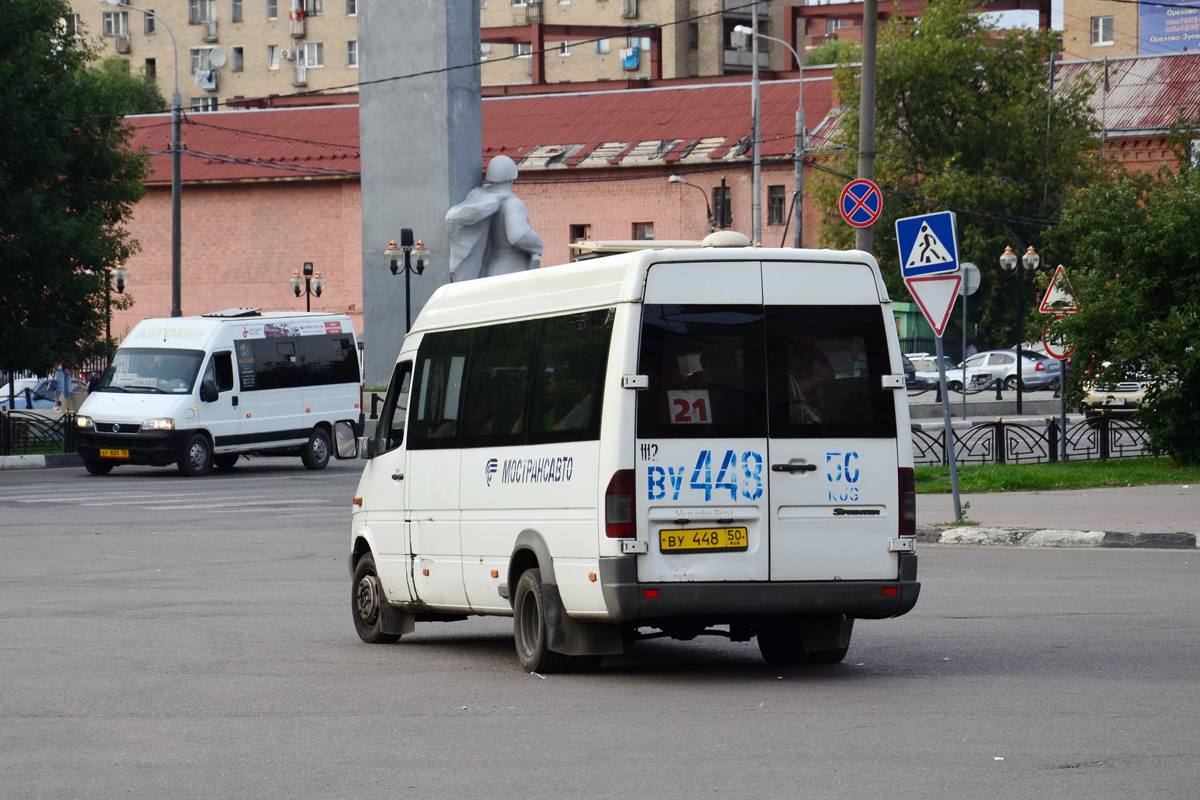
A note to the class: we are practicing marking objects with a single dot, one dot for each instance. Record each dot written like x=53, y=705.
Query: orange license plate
x=114, y=453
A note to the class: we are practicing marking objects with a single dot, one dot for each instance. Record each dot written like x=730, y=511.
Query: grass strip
x=1042, y=477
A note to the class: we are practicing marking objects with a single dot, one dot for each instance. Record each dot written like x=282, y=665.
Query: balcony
x=210, y=31
x=298, y=28
x=122, y=42
x=299, y=75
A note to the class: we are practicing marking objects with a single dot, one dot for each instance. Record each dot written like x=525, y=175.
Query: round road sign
x=861, y=203
x=1055, y=347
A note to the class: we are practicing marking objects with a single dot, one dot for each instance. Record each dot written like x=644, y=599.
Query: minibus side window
x=825, y=366
x=567, y=395
x=707, y=372
x=437, y=390
x=390, y=430
x=497, y=384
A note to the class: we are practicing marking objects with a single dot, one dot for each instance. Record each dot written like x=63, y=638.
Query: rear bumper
x=154, y=448
x=626, y=597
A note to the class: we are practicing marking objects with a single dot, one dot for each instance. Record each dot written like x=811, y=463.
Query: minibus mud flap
x=394, y=621
x=571, y=637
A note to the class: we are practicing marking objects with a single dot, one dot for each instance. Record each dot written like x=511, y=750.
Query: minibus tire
x=365, y=598
x=95, y=466
x=529, y=626
x=225, y=461
x=315, y=454
x=197, y=457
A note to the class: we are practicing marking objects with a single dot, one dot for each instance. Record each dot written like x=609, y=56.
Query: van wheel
x=315, y=454
x=780, y=644
x=197, y=456
x=529, y=626
x=225, y=461
x=366, y=594
x=96, y=466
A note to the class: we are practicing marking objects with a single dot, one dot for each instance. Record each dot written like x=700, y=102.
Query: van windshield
x=152, y=370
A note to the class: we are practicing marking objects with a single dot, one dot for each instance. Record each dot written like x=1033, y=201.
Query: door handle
x=793, y=468
x=397, y=476
x=235, y=401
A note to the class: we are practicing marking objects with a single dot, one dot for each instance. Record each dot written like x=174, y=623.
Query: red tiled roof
x=1144, y=92
x=254, y=145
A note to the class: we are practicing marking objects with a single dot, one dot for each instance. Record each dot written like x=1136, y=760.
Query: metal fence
x=26, y=432
x=1100, y=437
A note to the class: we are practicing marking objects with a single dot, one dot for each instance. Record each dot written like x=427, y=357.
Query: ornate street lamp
x=411, y=254
x=313, y=284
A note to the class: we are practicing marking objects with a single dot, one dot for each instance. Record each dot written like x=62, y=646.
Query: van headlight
x=161, y=424
x=83, y=422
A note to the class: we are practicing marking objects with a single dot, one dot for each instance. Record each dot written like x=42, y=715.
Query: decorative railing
x=1098, y=437
x=23, y=432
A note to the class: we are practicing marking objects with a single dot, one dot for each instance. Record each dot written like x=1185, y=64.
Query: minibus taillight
x=618, y=506
x=908, y=502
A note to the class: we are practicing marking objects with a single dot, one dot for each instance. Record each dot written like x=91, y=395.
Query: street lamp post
x=121, y=276
x=707, y=205
x=176, y=181
x=799, y=152
x=1011, y=264
x=313, y=284
x=392, y=254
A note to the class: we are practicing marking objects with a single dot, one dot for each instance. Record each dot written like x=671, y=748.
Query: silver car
x=1037, y=371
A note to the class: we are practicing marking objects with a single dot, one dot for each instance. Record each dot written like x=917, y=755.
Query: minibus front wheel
x=529, y=626
x=366, y=599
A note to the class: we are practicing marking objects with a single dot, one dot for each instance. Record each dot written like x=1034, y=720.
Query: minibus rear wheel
x=315, y=454
x=366, y=595
x=529, y=626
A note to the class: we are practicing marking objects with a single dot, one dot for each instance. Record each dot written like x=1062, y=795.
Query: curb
x=53, y=461
x=1049, y=537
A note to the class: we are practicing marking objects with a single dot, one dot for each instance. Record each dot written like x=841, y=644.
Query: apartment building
x=231, y=49
x=1095, y=29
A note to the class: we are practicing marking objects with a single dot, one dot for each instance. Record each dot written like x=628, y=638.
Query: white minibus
x=201, y=392
x=679, y=441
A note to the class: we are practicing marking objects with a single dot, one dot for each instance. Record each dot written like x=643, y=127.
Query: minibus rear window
x=825, y=368
x=707, y=371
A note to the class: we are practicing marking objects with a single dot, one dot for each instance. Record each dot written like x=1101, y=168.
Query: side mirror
x=343, y=435
x=208, y=392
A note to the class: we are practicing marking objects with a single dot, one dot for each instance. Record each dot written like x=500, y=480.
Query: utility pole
x=756, y=175
x=865, y=237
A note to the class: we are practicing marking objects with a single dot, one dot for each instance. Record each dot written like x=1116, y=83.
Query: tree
x=1135, y=256
x=133, y=94
x=962, y=126
x=833, y=51
x=69, y=181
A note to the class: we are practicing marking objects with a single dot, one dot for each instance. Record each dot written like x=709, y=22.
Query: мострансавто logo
x=556, y=469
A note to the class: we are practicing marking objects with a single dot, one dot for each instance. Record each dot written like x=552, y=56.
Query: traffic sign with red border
x=1056, y=348
x=935, y=295
x=861, y=203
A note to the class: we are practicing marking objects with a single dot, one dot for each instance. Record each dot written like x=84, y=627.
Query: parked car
x=926, y=367
x=984, y=369
x=1124, y=395
x=915, y=381
x=42, y=395
x=18, y=388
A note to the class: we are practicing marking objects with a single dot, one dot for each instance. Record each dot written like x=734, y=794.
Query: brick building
x=1097, y=29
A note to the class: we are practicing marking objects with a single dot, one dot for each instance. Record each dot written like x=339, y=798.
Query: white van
x=203, y=391
x=678, y=440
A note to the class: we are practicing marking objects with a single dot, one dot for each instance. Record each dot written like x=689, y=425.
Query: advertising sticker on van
x=841, y=469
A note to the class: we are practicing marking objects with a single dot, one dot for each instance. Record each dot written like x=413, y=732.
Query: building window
x=722, y=211
x=200, y=59
x=69, y=25
x=693, y=36
x=351, y=8
x=239, y=59
x=311, y=54
x=832, y=26
x=484, y=49
x=272, y=56
x=204, y=104
x=272, y=9
x=603, y=46
x=151, y=69
x=522, y=50
x=580, y=232
x=148, y=23
x=313, y=8
x=518, y=2
x=564, y=48
x=643, y=231
x=235, y=13
x=116, y=23
x=637, y=42
x=1102, y=30
x=776, y=204
x=352, y=54
x=201, y=11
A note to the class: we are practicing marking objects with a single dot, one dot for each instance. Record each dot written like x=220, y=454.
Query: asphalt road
x=165, y=637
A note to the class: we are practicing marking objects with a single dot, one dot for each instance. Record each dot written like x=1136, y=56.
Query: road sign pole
x=1062, y=397
x=951, y=458
x=964, y=356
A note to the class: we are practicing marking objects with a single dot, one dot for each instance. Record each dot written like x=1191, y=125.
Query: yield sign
x=1060, y=297
x=935, y=294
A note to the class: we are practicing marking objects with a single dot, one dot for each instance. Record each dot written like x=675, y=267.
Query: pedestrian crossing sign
x=928, y=244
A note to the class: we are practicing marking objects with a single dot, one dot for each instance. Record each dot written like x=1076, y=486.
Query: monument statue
x=489, y=231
